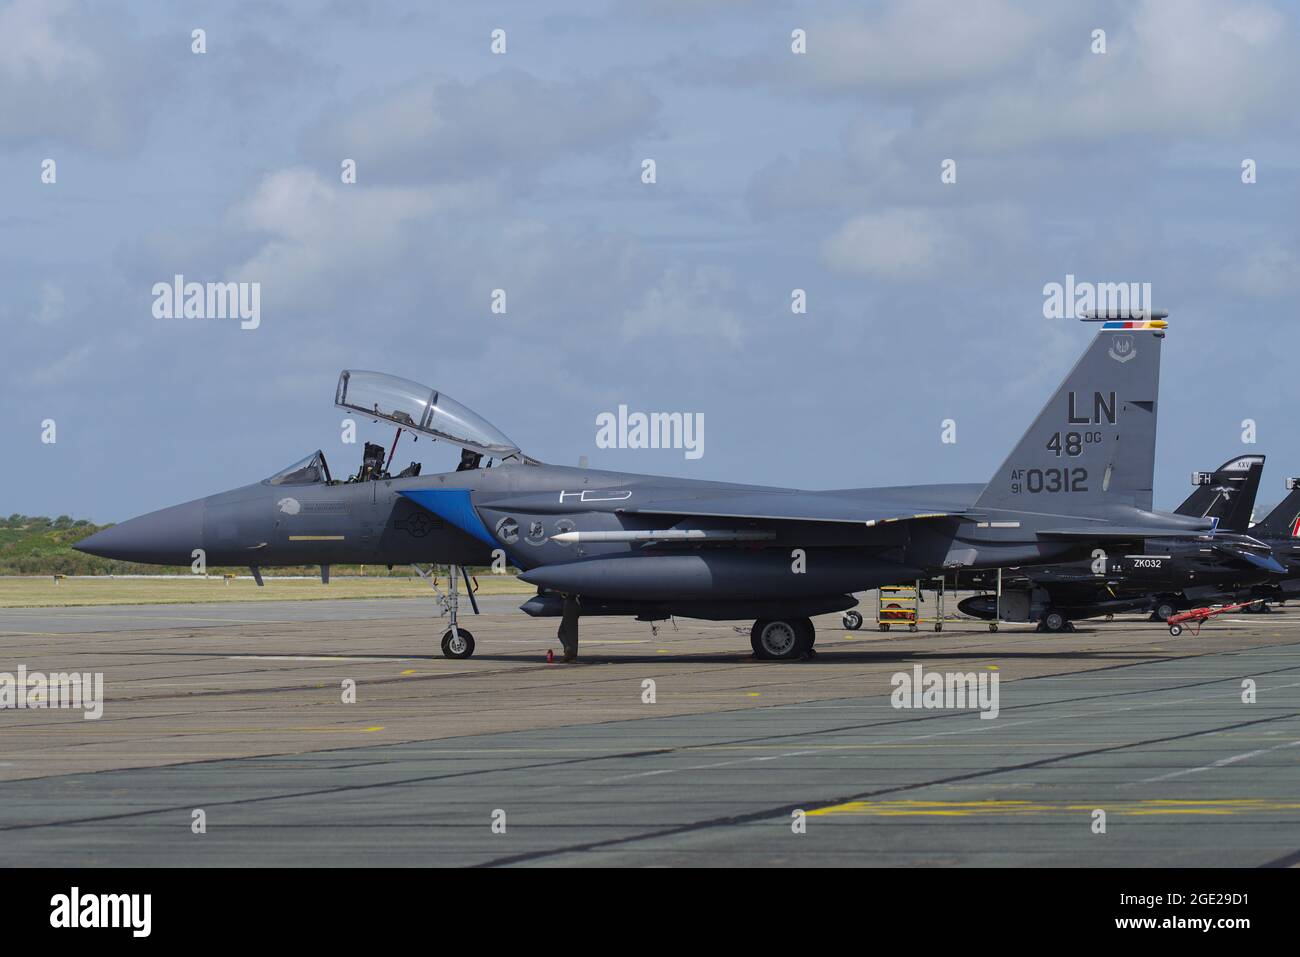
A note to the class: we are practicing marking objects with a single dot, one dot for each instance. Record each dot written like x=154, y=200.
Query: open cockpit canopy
x=420, y=409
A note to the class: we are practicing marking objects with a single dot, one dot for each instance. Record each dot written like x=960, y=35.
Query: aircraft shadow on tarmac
x=835, y=656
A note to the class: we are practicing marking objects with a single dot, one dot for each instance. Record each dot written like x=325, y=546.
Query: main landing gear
x=457, y=642
x=1055, y=621
x=783, y=639
x=1163, y=610
x=568, y=632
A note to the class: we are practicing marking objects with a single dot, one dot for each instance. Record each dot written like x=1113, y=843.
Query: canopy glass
x=420, y=409
x=306, y=471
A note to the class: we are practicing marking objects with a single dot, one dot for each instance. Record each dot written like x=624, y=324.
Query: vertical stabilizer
x=1094, y=443
x=1228, y=493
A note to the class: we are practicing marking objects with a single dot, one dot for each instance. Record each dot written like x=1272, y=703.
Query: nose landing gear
x=457, y=642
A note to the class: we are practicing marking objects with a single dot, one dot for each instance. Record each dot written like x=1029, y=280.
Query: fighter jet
x=1280, y=530
x=613, y=543
x=1165, y=575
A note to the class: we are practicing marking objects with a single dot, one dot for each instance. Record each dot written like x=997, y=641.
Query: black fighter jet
x=612, y=543
x=1280, y=530
x=1164, y=576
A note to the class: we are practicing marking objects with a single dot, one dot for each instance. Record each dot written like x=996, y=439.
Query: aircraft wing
x=850, y=507
x=792, y=507
x=1128, y=531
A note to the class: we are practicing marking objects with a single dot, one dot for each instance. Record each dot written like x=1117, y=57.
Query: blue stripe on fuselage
x=452, y=505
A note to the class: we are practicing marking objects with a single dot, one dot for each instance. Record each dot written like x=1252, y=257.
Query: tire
x=1053, y=621
x=1163, y=610
x=458, y=645
x=780, y=639
x=993, y=626
x=809, y=632
x=852, y=620
x=1175, y=630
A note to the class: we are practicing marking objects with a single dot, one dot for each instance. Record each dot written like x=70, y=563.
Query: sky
x=522, y=169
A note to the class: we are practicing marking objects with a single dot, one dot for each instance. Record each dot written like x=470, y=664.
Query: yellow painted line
x=409, y=671
x=316, y=538
x=1224, y=807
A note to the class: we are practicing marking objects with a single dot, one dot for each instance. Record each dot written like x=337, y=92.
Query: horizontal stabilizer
x=1259, y=556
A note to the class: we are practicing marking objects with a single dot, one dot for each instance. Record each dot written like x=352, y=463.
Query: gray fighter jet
x=610, y=543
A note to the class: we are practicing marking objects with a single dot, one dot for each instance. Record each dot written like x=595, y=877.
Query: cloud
x=892, y=244
x=50, y=304
x=73, y=75
x=440, y=128
x=317, y=234
x=917, y=45
x=1188, y=70
x=64, y=369
x=697, y=303
x=1270, y=271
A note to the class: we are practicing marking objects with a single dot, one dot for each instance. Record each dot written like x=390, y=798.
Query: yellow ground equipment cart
x=899, y=605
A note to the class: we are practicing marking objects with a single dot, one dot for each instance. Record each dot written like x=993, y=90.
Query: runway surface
x=238, y=711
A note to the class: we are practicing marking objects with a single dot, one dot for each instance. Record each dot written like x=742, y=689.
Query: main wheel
x=1054, y=621
x=1164, y=610
x=1175, y=630
x=780, y=639
x=853, y=620
x=458, y=644
x=809, y=632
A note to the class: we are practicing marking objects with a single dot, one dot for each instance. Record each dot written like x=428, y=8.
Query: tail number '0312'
x=1052, y=480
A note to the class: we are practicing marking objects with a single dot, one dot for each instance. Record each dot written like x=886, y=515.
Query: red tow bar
x=1199, y=616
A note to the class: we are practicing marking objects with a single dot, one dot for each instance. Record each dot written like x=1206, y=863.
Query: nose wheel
x=457, y=643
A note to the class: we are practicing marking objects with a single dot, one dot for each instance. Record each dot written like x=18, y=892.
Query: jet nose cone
x=165, y=537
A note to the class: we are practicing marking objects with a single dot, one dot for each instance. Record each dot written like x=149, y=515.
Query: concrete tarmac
x=239, y=712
